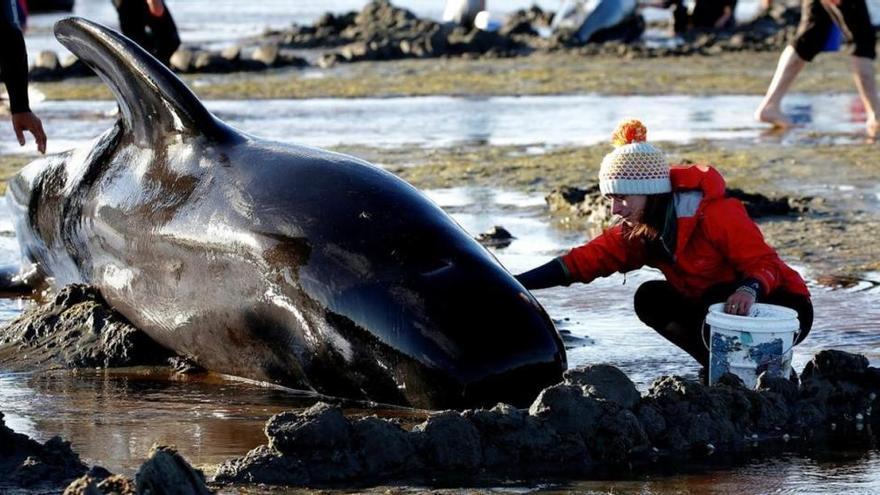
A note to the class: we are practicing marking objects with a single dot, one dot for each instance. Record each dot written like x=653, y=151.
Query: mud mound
x=588, y=204
x=594, y=420
x=76, y=329
x=165, y=471
x=25, y=463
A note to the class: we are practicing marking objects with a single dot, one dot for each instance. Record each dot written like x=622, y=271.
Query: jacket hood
x=698, y=177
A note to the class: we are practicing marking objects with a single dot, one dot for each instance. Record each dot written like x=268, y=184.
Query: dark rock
x=567, y=410
x=696, y=416
x=209, y=62
x=834, y=364
x=731, y=380
x=321, y=437
x=604, y=381
x=319, y=428
x=264, y=465
x=231, y=53
x=568, y=432
x=619, y=433
x=498, y=237
x=76, y=330
x=182, y=60
x=111, y=485
x=386, y=450
x=25, y=463
x=759, y=206
x=787, y=389
x=449, y=443
x=47, y=60
x=166, y=471
x=266, y=54
x=516, y=443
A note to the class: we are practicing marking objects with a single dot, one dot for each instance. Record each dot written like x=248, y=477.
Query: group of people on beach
x=674, y=218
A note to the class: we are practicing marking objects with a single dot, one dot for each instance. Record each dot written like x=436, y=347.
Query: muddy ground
x=538, y=74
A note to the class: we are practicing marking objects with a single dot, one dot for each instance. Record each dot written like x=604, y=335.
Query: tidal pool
x=440, y=121
x=113, y=418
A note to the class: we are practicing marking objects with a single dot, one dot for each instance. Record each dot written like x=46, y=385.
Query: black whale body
x=280, y=263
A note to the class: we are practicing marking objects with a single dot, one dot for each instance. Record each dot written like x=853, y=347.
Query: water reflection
x=113, y=419
x=440, y=121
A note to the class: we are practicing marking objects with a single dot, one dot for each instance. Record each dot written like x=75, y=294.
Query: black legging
x=162, y=39
x=680, y=320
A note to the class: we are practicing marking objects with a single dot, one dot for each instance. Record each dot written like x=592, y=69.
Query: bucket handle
x=706, y=344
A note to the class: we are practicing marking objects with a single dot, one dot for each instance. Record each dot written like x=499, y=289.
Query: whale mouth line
x=437, y=267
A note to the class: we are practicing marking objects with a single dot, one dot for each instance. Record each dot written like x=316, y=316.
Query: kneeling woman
x=677, y=219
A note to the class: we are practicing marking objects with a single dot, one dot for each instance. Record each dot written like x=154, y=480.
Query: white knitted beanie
x=634, y=167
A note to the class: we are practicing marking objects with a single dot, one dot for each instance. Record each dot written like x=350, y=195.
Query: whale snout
x=507, y=348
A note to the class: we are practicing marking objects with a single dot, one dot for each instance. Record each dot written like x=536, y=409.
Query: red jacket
x=716, y=243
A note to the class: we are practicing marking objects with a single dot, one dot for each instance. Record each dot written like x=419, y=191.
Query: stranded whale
x=280, y=263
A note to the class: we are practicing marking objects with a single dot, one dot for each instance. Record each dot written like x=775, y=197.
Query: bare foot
x=772, y=115
x=873, y=128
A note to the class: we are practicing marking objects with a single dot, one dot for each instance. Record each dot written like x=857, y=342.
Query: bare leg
x=789, y=66
x=863, y=73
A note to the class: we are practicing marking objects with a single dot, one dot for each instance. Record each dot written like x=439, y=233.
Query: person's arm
x=157, y=7
x=550, y=274
x=608, y=253
x=13, y=65
x=13, y=59
x=738, y=238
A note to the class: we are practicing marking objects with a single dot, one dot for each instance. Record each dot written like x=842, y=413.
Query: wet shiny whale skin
x=280, y=263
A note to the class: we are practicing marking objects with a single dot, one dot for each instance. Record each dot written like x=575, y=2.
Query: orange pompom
x=629, y=131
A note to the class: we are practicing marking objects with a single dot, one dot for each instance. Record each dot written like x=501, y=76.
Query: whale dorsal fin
x=154, y=102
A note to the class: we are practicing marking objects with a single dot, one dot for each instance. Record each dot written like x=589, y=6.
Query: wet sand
x=835, y=239
x=538, y=74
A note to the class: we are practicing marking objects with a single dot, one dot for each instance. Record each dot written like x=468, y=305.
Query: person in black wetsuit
x=706, y=14
x=149, y=24
x=14, y=69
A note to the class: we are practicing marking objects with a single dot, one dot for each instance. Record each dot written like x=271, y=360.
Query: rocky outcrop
x=76, y=329
x=381, y=31
x=497, y=237
x=164, y=472
x=588, y=205
x=594, y=420
x=27, y=464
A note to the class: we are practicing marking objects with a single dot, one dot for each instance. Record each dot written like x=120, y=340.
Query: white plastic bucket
x=750, y=345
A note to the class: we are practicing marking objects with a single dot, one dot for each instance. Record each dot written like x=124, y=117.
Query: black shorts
x=851, y=16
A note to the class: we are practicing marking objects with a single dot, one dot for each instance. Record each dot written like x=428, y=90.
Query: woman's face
x=629, y=207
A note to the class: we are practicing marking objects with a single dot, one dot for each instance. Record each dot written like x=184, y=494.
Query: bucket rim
x=775, y=319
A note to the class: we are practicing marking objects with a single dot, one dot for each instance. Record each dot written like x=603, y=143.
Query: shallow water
x=113, y=418
x=438, y=121
x=219, y=22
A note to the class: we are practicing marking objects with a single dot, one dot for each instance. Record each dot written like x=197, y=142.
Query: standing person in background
x=706, y=14
x=14, y=69
x=817, y=17
x=136, y=16
x=463, y=12
x=678, y=220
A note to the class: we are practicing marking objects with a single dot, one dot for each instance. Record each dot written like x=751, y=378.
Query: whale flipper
x=154, y=103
